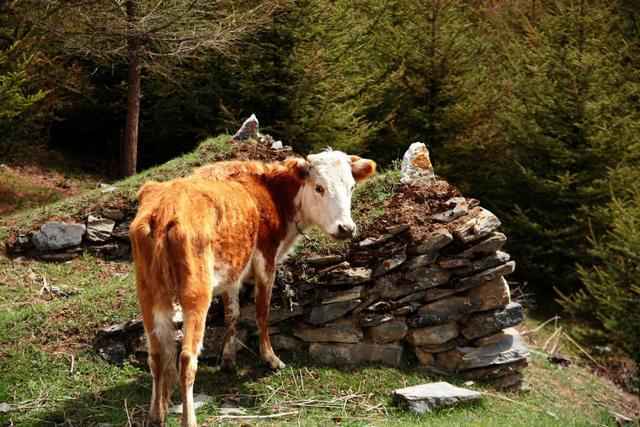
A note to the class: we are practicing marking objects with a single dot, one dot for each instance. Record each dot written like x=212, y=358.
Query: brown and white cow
x=200, y=236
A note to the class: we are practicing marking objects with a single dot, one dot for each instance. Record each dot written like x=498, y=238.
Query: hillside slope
x=50, y=374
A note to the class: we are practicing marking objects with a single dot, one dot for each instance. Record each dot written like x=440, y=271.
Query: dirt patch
x=414, y=205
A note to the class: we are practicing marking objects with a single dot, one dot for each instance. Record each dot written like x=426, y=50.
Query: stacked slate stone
x=444, y=297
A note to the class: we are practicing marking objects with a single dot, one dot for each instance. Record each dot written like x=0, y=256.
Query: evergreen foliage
x=611, y=291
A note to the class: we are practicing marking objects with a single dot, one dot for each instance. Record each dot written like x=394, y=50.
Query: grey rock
x=441, y=311
x=434, y=335
x=416, y=167
x=440, y=293
x=340, y=332
x=99, y=229
x=416, y=296
x=510, y=382
x=460, y=208
x=389, y=264
x=248, y=130
x=427, y=397
x=483, y=324
x=379, y=307
x=390, y=286
x=328, y=312
x=324, y=260
x=494, y=242
x=112, y=213
x=487, y=275
x=287, y=343
x=495, y=371
x=54, y=236
x=406, y=309
x=343, y=296
x=276, y=314
x=115, y=352
x=427, y=277
x=485, y=263
x=490, y=295
x=375, y=241
x=510, y=349
x=451, y=263
x=59, y=257
x=439, y=348
x=397, y=229
x=477, y=224
x=420, y=261
x=432, y=242
x=375, y=319
x=394, y=330
x=121, y=231
x=355, y=354
x=347, y=276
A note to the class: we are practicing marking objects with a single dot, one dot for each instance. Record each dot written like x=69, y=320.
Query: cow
x=203, y=235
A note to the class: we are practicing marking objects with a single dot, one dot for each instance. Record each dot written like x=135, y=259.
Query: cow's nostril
x=345, y=230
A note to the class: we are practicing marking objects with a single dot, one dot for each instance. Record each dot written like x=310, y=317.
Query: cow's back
x=186, y=224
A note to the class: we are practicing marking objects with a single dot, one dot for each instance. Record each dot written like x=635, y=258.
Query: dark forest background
x=532, y=106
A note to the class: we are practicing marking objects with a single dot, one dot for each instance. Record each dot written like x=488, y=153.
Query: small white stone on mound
x=427, y=397
x=416, y=166
x=248, y=130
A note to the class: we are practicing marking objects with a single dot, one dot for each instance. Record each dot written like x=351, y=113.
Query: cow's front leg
x=265, y=276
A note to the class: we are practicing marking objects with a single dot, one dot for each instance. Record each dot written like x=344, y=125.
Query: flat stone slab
x=328, y=312
x=391, y=331
x=54, y=236
x=433, y=242
x=484, y=324
x=427, y=397
x=479, y=223
x=494, y=242
x=99, y=229
x=341, y=332
x=355, y=354
x=509, y=350
x=347, y=276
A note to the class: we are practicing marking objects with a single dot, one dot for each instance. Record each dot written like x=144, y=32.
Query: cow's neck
x=286, y=193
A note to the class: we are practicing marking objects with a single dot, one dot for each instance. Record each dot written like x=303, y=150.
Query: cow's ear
x=362, y=169
x=300, y=167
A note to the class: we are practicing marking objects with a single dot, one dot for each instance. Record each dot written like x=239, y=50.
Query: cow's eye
x=319, y=189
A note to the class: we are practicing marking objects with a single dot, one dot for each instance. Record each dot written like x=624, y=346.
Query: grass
x=50, y=375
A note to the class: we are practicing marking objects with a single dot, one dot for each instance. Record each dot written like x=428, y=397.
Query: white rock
x=277, y=145
x=416, y=165
x=427, y=397
x=248, y=130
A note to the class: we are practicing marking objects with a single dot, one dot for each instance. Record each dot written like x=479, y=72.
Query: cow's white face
x=325, y=198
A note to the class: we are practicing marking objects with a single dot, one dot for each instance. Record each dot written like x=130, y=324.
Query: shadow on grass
x=127, y=403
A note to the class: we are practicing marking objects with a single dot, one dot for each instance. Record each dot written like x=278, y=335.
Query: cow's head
x=325, y=197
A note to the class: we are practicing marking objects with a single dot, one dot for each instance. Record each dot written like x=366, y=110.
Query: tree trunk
x=129, y=151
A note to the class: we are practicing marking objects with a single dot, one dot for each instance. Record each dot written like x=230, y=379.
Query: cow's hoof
x=276, y=363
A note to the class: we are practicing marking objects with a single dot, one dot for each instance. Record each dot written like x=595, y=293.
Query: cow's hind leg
x=195, y=306
x=231, y=314
x=162, y=358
